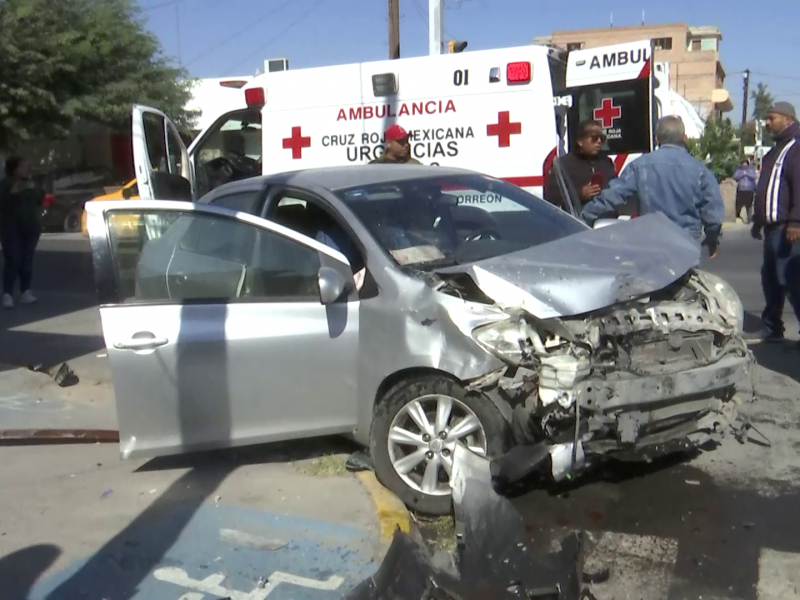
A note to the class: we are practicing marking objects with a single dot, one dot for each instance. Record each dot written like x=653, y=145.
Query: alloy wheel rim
x=423, y=437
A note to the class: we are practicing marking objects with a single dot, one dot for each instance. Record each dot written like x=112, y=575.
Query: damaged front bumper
x=624, y=417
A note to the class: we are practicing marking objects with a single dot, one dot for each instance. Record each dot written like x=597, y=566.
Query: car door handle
x=141, y=343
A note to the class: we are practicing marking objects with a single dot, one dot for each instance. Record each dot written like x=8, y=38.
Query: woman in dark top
x=20, y=228
x=588, y=169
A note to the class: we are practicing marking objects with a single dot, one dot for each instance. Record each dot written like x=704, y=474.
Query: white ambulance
x=507, y=113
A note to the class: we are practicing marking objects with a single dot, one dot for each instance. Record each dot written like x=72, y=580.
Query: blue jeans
x=19, y=245
x=780, y=275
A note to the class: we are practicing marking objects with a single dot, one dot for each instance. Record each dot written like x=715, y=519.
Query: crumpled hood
x=590, y=270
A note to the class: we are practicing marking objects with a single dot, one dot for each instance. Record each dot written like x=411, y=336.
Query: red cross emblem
x=297, y=142
x=503, y=129
x=607, y=113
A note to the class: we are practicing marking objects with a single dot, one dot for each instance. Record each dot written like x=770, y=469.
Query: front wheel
x=415, y=430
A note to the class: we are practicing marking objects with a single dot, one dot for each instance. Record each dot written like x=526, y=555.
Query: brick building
x=696, y=72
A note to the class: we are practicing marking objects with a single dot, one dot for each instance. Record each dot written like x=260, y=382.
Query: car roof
x=338, y=178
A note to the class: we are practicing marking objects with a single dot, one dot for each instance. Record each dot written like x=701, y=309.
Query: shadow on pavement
x=29, y=348
x=126, y=560
x=775, y=357
x=276, y=452
x=64, y=284
x=20, y=570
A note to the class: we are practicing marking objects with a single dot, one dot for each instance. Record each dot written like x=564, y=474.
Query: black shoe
x=763, y=337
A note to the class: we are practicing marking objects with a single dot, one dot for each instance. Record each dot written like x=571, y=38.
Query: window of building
x=575, y=46
x=664, y=43
x=695, y=45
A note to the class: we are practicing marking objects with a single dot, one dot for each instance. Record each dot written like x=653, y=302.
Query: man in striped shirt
x=777, y=219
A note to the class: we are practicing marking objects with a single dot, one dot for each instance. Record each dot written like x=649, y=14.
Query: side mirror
x=604, y=223
x=331, y=285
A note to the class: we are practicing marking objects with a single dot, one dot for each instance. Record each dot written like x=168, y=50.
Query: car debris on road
x=496, y=557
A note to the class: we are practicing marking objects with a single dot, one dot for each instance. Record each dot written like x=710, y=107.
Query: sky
x=222, y=38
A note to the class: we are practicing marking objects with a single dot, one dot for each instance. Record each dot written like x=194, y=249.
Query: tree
x=72, y=59
x=717, y=147
x=762, y=102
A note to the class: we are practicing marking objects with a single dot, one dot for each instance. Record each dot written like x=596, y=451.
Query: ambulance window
x=155, y=140
x=622, y=108
x=238, y=133
x=174, y=144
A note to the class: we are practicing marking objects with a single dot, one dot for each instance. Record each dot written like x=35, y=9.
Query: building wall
x=695, y=69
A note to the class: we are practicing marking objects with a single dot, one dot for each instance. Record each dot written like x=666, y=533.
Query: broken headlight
x=508, y=339
x=726, y=297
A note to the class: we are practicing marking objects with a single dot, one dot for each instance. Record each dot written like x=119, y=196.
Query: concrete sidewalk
x=79, y=523
x=30, y=400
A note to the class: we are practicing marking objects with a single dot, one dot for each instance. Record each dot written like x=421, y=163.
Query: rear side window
x=623, y=110
x=244, y=201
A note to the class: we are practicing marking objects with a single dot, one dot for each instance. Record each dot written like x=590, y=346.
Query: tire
x=72, y=222
x=392, y=411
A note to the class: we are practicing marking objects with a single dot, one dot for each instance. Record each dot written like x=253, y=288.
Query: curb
x=391, y=512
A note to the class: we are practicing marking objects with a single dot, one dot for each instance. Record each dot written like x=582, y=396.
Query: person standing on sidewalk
x=776, y=220
x=745, y=177
x=20, y=228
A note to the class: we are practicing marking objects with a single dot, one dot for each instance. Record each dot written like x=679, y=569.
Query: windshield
x=444, y=221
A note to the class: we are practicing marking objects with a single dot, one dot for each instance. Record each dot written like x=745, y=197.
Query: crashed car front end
x=636, y=380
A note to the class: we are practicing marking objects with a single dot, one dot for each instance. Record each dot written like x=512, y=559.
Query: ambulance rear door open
x=161, y=160
x=614, y=85
x=228, y=150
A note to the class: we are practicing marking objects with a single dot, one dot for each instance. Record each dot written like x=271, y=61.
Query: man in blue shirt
x=745, y=177
x=671, y=181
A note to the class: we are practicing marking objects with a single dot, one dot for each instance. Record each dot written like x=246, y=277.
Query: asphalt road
x=719, y=525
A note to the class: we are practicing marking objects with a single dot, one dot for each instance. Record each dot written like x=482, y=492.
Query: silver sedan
x=414, y=309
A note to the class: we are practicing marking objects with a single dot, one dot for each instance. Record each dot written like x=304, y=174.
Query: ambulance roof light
x=233, y=83
x=255, y=97
x=518, y=72
x=384, y=84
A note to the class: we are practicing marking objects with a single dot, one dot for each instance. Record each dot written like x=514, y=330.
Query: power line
x=774, y=76
x=235, y=35
x=161, y=5
x=281, y=33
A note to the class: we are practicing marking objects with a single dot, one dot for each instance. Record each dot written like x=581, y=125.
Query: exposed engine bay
x=642, y=378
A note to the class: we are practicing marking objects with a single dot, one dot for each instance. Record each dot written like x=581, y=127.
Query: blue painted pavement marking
x=222, y=552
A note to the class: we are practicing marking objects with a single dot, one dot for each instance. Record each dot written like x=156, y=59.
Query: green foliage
x=747, y=134
x=762, y=101
x=69, y=59
x=717, y=147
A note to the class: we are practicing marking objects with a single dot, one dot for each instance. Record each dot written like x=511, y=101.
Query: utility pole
x=435, y=27
x=394, y=29
x=746, y=91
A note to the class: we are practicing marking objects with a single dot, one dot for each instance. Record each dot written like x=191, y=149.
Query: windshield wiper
x=440, y=263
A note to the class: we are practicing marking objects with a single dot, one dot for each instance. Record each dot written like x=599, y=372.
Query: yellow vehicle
x=129, y=191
